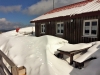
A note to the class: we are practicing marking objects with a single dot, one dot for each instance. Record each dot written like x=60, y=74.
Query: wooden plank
x=7, y=59
x=1, y=67
x=73, y=32
x=14, y=70
x=2, y=71
x=98, y=28
x=63, y=52
x=67, y=31
x=70, y=32
x=76, y=31
x=79, y=32
x=6, y=69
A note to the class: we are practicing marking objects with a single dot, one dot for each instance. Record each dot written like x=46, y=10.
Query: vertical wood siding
x=73, y=31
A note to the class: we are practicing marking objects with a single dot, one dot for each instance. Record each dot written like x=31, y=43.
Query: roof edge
x=32, y=21
x=51, y=11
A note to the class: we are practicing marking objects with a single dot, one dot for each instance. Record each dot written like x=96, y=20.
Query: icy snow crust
x=37, y=55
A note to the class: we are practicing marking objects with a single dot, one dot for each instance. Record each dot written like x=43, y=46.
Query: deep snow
x=37, y=54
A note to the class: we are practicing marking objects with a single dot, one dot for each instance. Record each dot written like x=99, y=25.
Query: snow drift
x=37, y=55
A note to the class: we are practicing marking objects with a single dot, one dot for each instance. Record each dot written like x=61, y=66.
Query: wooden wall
x=73, y=31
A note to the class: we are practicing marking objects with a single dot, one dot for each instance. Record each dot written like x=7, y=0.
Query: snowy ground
x=37, y=54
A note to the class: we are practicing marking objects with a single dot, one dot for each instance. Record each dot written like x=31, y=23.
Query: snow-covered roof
x=73, y=9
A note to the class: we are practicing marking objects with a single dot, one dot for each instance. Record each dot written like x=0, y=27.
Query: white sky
x=44, y=6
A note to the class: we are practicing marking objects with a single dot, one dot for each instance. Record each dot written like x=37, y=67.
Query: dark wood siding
x=98, y=28
x=73, y=31
x=37, y=29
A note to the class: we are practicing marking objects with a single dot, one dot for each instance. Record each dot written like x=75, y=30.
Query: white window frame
x=60, y=27
x=43, y=27
x=90, y=33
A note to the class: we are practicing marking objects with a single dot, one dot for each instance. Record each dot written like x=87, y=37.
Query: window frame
x=90, y=28
x=43, y=28
x=60, y=28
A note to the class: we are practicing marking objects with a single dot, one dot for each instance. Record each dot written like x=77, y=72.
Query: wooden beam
x=7, y=59
x=2, y=71
x=71, y=58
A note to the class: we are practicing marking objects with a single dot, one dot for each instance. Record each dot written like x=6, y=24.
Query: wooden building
x=77, y=23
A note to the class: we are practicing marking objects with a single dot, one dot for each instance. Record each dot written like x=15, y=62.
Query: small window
x=87, y=23
x=42, y=28
x=93, y=32
x=94, y=23
x=90, y=27
x=59, y=28
x=87, y=32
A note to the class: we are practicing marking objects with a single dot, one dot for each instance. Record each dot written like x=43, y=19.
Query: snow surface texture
x=37, y=54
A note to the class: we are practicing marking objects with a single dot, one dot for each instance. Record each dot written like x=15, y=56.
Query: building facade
x=73, y=22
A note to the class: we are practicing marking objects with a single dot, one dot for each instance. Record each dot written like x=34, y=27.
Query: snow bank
x=32, y=52
x=37, y=55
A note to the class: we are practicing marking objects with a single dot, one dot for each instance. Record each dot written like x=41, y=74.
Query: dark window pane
x=61, y=25
x=94, y=23
x=86, y=31
x=93, y=32
x=58, y=31
x=87, y=23
x=44, y=25
x=61, y=31
x=44, y=30
x=58, y=25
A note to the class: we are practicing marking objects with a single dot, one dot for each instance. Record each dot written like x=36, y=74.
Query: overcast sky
x=14, y=13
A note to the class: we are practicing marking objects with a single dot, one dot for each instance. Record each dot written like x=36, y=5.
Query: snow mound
x=37, y=55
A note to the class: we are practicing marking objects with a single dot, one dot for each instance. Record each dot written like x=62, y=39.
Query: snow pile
x=71, y=47
x=37, y=55
x=22, y=31
x=27, y=30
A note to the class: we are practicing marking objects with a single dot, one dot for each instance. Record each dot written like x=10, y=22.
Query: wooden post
x=71, y=58
x=14, y=70
x=22, y=70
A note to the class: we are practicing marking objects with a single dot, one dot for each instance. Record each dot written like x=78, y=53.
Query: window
x=60, y=28
x=42, y=28
x=90, y=27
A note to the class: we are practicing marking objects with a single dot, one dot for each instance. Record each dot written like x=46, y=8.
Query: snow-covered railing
x=14, y=70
